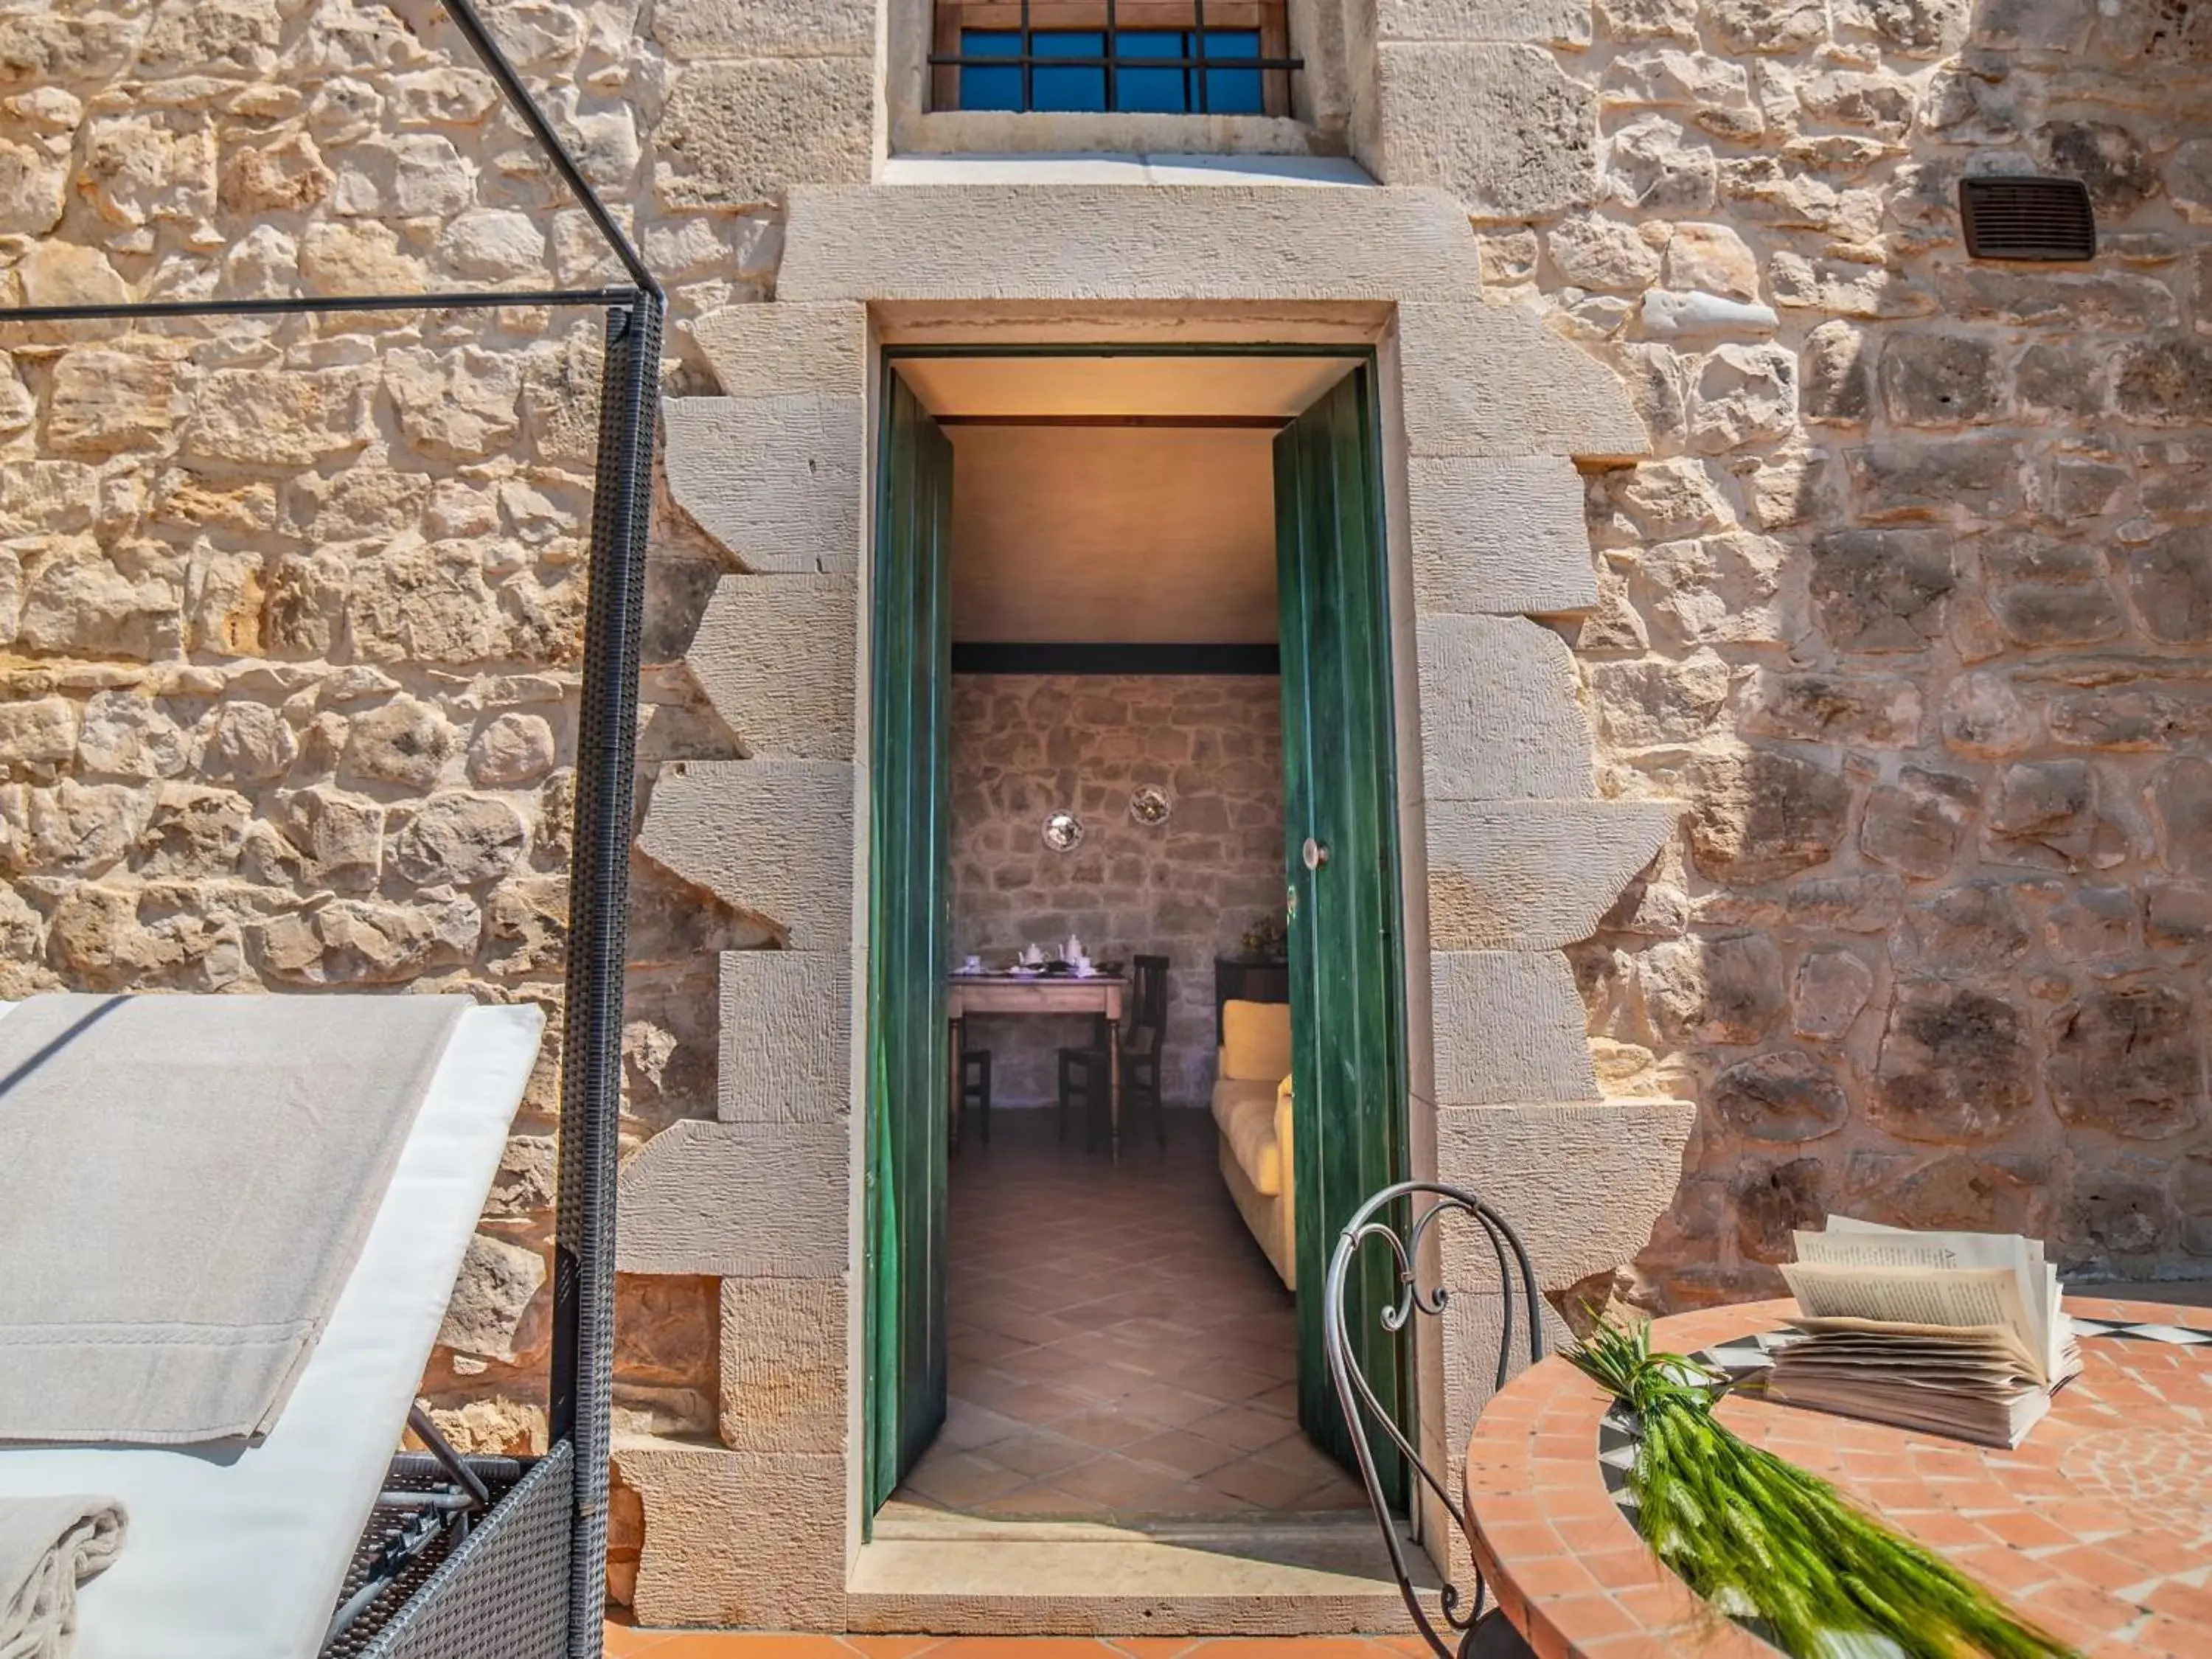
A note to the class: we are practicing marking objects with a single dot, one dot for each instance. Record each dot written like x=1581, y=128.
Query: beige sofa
x=1252, y=1113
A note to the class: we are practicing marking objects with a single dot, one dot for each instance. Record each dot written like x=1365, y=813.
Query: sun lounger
x=240, y=1551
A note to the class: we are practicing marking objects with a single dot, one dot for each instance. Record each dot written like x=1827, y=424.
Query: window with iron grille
x=1120, y=57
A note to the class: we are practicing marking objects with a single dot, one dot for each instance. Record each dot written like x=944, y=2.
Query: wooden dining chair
x=1390, y=1221
x=1087, y=1075
x=976, y=1092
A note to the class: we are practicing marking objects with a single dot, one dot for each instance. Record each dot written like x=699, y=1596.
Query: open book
x=1957, y=1333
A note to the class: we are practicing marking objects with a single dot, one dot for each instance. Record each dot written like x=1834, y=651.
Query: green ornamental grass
x=1760, y=1539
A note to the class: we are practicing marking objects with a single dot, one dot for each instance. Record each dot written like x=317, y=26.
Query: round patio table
x=2098, y=1526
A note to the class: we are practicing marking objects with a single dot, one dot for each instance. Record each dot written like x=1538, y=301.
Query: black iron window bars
x=579, y=1407
x=1197, y=65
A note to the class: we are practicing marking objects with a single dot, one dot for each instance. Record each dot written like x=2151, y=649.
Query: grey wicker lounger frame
x=509, y=1556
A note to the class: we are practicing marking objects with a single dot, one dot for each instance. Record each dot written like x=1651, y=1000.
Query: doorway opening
x=1131, y=726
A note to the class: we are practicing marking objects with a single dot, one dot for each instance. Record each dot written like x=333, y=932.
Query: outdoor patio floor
x=1120, y=1349
x=624, y=1643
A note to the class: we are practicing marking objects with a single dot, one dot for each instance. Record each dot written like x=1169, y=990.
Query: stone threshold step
x=1280, y=1575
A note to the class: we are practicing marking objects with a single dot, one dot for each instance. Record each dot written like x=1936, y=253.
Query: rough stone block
x=1125, y=242
x=736, y=1200
x=777, y=481
x=773, y=838
x=787, y=1037
x=1489, y=380
x=1535, y=875
x=1501, y=712
x=783, y=1353
x=745, y=29
x=708, y=1560
x=775, y=655
x=1499, y=125
x=737, y=134
x=1560, y=23
x=1580, y=1183
x=1503, y=537
x=1508, y=1026
x=774, y=350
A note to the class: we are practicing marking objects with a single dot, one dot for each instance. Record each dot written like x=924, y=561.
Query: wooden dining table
x=2097, y=1526
x=1045, y=995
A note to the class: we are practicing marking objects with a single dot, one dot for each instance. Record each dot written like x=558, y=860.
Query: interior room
x=1121, y=1332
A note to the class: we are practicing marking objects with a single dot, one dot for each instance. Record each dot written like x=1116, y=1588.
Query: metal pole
x=471, y=300
x=599, y=941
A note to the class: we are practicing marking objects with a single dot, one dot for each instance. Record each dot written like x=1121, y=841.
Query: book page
x=1945, y=1298
x=1850, y=1242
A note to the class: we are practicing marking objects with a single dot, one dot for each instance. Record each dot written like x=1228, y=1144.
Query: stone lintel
x=736, y=1199
x=780, y=348
x=1069, y=241
x=1505, y=536
x=742, y=1539
x=1509, y=1026
x=1535, y=875
x=773, y=838
x=1491, y=381
x=777, y=481
x=776, y=655
x=786, y=1037
x=1501, y=712
x=783, y=1353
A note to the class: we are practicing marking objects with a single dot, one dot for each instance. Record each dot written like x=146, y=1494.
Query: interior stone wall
x=1909, y=604
x=1024, y=746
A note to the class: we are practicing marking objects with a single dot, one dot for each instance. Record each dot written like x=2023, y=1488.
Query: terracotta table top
x=2099, y=1526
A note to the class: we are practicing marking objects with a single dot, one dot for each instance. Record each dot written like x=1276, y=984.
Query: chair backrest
x=1375, y=1224
x=1148, y=992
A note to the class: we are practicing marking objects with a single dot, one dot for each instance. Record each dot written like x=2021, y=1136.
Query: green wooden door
x=1340, y=807
x=909, y=802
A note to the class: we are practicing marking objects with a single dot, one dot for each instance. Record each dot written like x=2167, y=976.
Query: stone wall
x=1909, y=604
x=1024, y=746
x=289, y=610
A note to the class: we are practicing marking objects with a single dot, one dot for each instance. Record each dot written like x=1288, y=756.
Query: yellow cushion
x=1255, y=1041
x=1244, y=1112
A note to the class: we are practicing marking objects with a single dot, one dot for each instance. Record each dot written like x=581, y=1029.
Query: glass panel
x=990, y=89
x=1233, y=92
x=1080, y=90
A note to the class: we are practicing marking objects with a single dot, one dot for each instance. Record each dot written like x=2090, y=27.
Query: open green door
x=909, y=807
x=1340, y=808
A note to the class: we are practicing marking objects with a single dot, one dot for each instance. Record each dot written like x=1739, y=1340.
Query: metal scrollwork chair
x=1475, y=1636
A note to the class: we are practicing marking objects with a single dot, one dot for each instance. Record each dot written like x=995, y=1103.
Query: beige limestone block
x=1502, y=537
x=1508, y=1026
x=735, y=134
x=786, y=1036
x=776, y=655
x=1582, y=1182
x=280, y=418
x=770, y=350
x=1125, y=242
x=736, y=1200
x=777, y=481
x=764, y=28
x=783, y=1355
x=1501, y=125
x=1535, y=875
x=773, y=838
x=1501, y=716
x=1559, y=22
x=741, y=1539
x=1491, y=381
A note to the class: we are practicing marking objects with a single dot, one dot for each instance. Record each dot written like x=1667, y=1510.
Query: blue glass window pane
x=1080, y=90
x=1153, y=91
x=990, y=89
x=1233, y=92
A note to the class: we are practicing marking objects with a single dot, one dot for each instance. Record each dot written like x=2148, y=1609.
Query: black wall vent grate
x=2027, y=219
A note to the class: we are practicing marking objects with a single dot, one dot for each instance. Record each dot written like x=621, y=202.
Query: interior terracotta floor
x=1120, y=1350
x=624, y=1643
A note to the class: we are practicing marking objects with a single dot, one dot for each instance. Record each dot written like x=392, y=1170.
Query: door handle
x=1314, y=853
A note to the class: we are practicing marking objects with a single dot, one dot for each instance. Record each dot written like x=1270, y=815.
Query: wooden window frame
x=951, y=18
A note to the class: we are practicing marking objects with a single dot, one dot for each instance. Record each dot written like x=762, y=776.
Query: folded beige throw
x=48, y=1547
x=185, y=1183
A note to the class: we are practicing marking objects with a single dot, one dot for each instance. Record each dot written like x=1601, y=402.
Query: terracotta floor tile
x=1119, y=1338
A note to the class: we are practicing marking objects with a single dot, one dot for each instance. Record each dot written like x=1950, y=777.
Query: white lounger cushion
x=238, y=1553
